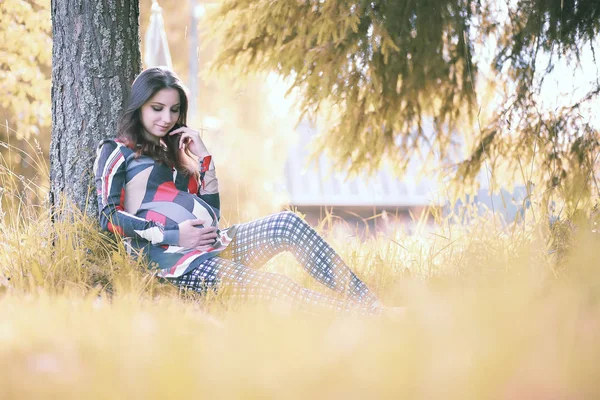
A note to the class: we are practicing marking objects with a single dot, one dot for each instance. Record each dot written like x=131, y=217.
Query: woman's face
x=161, y=112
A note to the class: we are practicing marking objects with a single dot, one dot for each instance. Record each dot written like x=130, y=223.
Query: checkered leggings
x=256, y=242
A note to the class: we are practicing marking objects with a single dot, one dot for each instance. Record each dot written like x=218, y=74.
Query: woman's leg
x=246, y=283
x=258, y=241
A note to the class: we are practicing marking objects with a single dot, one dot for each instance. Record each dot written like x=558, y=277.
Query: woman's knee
x=290, y=221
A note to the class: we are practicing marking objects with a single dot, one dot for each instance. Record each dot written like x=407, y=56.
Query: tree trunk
x=95, y=57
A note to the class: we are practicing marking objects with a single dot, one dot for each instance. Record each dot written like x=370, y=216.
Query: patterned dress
x=144, y=201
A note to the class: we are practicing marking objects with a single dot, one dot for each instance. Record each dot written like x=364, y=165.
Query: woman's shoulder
x=113, y=144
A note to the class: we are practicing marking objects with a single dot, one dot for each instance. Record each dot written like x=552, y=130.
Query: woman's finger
x=178, y=130
x=207, y=230
x=184, y=130
x=205, y=242
x=198, y=221
x=208, y=239
x=186, y=140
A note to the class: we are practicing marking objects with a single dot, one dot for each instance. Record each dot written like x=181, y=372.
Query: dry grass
x=490, y=316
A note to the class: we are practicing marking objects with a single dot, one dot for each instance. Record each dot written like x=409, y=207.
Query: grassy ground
x=491, y=315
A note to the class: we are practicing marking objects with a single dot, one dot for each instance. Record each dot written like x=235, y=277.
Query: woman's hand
x=191, y=236
x=192, y=140
x=205, y=248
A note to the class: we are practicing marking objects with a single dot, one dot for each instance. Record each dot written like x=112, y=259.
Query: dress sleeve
x=110, y=176
x=208, y=188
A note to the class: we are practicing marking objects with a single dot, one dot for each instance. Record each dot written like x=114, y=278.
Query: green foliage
x=25, y=59
x=560, y=150
x=557, y=148
x=559, y=26
x=382, y=70
x=384, y=65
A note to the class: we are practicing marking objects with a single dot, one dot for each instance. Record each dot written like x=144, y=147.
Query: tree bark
x=95, y=57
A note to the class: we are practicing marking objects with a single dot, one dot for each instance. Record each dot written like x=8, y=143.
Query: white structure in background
x=156, y=47
x=198, y=12
x=510, y=205
x=314, y=188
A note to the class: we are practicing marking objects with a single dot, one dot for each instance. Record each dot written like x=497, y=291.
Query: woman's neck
x=151, y=138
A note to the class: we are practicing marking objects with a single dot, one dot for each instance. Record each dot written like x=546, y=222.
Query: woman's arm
x=110, y=175
x=208, y=189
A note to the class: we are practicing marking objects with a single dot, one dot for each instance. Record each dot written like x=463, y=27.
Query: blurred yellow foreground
x=492, y=314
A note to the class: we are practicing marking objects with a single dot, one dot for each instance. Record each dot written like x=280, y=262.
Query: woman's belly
x=177, y=207
x=150, y=193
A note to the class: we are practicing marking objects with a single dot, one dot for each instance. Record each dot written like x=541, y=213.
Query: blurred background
x=261, y=146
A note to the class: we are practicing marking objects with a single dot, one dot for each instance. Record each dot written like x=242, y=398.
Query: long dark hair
x=130, y=129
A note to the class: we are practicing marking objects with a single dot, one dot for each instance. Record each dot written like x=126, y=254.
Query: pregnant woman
x=157, y=188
